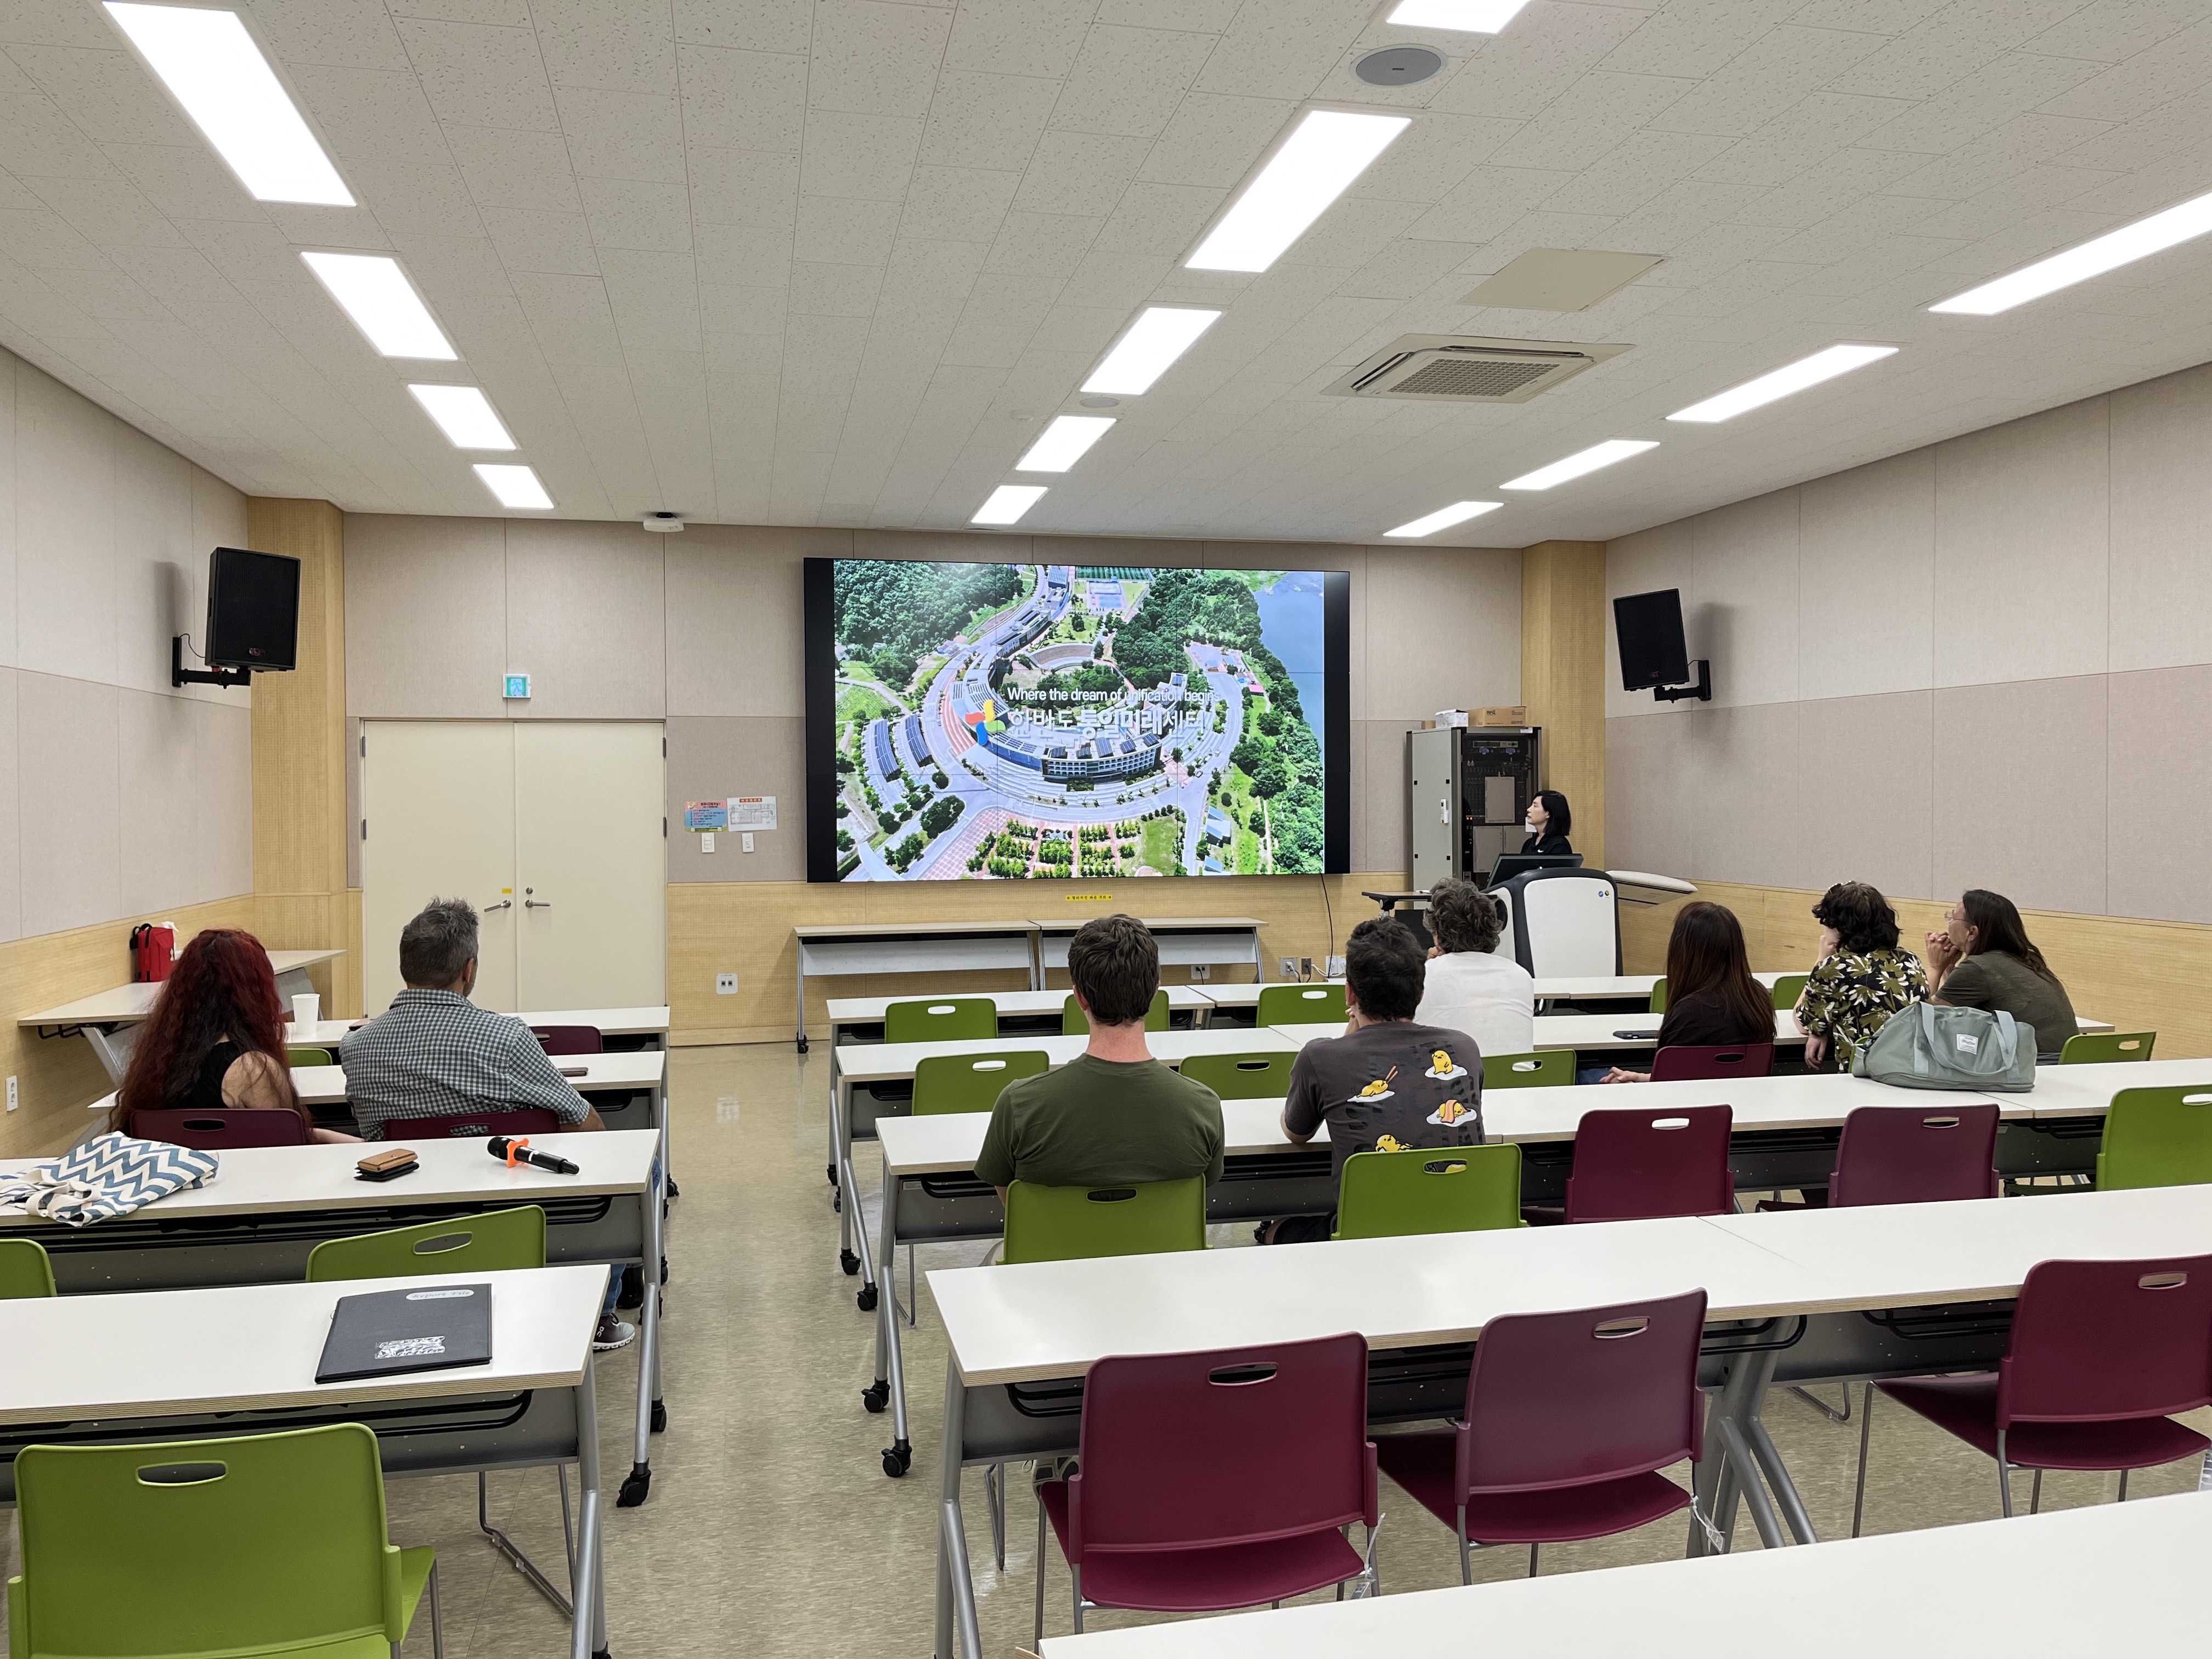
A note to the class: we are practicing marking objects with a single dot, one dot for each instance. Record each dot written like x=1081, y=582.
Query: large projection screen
x=1026, y=721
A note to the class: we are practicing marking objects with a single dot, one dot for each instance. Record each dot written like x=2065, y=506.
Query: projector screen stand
x=180, y=675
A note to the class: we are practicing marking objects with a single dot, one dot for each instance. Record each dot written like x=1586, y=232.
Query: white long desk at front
x=847, y=1013
x=159, y=1365
x=1558, y=987
x=1052, y=1321
x=283, y=1200
x=860, y=1064
x=912, y=947
x=1982, y=1588
x=100, y=1016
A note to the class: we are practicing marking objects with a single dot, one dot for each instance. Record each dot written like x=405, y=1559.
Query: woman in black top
x=1713, y=1000
x=1549, y=820
x=215, y=1038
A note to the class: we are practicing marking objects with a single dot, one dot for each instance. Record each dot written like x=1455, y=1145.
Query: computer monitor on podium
x=1510, y=864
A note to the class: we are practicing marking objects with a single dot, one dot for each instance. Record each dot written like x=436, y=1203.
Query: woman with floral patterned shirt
x=1862, y=978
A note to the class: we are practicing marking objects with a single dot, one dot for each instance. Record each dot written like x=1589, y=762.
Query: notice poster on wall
x=704, y=818
x=752, y=811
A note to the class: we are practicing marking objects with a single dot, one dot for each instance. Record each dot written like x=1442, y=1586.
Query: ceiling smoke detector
x=1462, y=368
x=1399, y=66
x=663, y=523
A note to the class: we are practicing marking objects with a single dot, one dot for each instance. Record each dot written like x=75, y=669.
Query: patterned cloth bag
x=109, y=1174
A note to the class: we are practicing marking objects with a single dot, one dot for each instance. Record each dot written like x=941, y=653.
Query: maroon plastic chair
x=1216, y=1479
x=1683, y=1062
x=219, y=1131
x=569, y=1039
x=2103, y=1355
x=1911, y=1155
x=465, y=1126
x=1570, y=1416
x=1636, y=1164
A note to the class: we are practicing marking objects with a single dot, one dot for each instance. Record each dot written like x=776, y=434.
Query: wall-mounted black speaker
x=253, y=610
x=1650, y=628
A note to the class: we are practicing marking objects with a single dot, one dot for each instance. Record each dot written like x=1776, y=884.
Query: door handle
x=504, y=904
x=530, y=903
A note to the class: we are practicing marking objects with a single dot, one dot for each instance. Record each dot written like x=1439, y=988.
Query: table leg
x=854, y=1224
x=802, y=999
x=650, y=1414
x=890, y=1358
x=111, y=1044
x=1742, y=1462
x=845, y=1259
x=588, y=1638
x=1754, y=1424
x=955, y=1589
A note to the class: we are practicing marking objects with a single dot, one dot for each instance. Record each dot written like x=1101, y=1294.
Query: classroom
x=1104, y=829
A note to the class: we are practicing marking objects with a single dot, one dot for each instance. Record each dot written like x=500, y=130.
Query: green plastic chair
x=1062, y=1223
x=1301, y=1004
x=1787, y=987
x=1429, y=1189
x=2157, y=1138
x=941, y=1019
x=1659, y=995
x=1241, y=1077
x=25, y=1269
x=311, y=1057
x=2095, y=1047
x=1073, y=1022
x=269, y=1544
x=972, y=1083
x=498, y=1241
x=1540, y=1070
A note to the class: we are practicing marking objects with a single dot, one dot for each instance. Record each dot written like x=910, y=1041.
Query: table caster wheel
x=635, y=1484
x=829, y=1174
x=802, y=1045
x=876, y=1396
x=897, y=1459
x=660, y=1419
x=866, y=1299
x=850, y=1262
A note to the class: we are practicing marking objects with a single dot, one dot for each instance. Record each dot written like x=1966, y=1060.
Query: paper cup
x=306, y=1012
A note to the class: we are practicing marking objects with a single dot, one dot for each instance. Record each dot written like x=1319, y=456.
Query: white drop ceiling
x=838, y=262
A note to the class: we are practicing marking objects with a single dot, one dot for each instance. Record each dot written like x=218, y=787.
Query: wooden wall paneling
x=57, y=1077
x=1563, y=667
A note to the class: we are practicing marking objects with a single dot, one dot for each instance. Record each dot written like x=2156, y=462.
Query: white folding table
x=268, y=1207
x=913, y=947
x=1183, y=941
x=851, y=1015
x=211, y=1364
x=104, y=1018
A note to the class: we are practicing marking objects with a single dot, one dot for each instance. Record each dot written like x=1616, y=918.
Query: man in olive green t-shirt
x=1113, y=1114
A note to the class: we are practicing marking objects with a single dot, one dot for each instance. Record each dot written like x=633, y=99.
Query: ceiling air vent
x=1458, y=368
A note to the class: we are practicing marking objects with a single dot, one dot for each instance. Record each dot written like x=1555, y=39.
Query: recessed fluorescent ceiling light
x=2093, y=257
x=465, y=415
x=1007, y=504
x=1063, y=443
x=1316, y=164
x=1159, y=336
x=1469, y=16
x=515, y=486
x=382, y=303
x=1582, y=461
x=1792, y=377
x=209, y=61
x=1444, y=518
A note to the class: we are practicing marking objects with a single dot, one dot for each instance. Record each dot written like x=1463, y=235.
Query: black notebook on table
x=432, y=1327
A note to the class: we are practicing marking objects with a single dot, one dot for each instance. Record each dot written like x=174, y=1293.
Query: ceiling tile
x=638, y=215
x=623, y=135
x=876, y=57
x=743, y=99
x=1130, y=81
x=757, y=25
x=866, y=156
x=986, y=120
x=1020, y=37
x=616, y=45
x=834, y=230
x=479, y=75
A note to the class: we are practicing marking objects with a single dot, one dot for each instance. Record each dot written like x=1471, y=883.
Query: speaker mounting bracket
x=180, y=675
x=1702, y=691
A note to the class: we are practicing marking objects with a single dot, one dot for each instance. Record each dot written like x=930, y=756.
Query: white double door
x=552, y=829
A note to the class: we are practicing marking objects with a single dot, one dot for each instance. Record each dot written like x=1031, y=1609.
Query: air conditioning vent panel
x=1465, y=369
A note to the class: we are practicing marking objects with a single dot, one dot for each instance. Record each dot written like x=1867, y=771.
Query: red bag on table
x=151, y=947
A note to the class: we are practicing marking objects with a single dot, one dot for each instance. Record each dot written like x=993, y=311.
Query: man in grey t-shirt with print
x=1387, y=1084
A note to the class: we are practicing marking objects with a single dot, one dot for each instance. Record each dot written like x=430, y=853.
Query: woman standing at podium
x=1550, y=818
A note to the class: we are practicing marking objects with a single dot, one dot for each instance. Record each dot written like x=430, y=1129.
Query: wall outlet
x=1333, y=968
x=12, y=1102
x=745, y=841
x=726, y=985
x=1289, y=966
x=707, y=842
x=725, y=1108
x=1305, y=967
x=1200, y=972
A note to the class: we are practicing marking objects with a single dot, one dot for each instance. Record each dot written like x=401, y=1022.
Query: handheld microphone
x=516, y=1149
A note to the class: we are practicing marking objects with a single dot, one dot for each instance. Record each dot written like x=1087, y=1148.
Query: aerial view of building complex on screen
x=1011, y=721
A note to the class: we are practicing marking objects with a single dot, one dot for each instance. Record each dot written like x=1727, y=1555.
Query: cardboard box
x=1501, y=717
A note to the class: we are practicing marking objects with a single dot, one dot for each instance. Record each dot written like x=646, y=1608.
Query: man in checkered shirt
x=434, y=1054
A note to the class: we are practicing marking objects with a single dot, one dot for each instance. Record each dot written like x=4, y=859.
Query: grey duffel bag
x=1929, y=1047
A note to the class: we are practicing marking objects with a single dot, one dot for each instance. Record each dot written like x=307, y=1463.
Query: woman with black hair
x=1984, y=958
x=1550, y=820
x=1862, y=977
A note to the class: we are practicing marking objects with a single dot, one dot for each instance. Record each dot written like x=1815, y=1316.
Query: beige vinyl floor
x=772, y=1531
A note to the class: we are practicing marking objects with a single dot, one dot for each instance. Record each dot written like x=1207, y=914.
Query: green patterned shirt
x=1851, y=995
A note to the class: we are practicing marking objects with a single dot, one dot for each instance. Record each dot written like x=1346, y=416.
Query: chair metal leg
x=2035, y=1495
x=1075, y=1589
x=2004, y=1477
x=1466, y=1558
x=437, y=1617
x=1533, y=1548
x=1866, y=1428
x=512, y=1551
x=911, y=1290
x=1823, y=1406
x=994, y=1499
x=2124, y=1484
x=1039, y=1632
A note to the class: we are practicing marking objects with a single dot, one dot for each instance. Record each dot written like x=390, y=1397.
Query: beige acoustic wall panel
x=439, y=796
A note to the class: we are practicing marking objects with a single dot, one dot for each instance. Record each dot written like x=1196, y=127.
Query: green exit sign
x=517, y=688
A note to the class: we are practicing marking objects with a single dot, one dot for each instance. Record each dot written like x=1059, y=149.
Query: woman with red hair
x=216, y=1039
